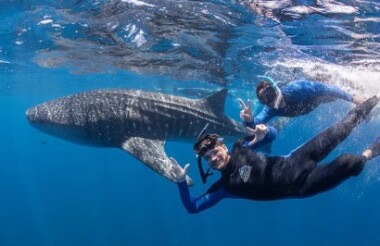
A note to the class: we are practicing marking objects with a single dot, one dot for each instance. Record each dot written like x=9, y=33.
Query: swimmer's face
x=267, y=96
x=217, y=157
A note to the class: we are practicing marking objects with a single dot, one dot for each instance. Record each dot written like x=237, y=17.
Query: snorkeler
x=250, y=175
x=296, y=98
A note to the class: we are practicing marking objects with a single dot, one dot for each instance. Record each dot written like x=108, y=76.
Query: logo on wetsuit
x=244, y=172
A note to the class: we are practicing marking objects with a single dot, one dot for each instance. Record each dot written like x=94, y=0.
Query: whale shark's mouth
x=31, y=114
x=38, y=114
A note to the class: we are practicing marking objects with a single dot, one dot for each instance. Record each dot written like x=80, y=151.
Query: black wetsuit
x=256, y=176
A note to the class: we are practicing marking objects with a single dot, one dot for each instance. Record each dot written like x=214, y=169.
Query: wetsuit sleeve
x=271, y=135
x=309, y=89
x=203, y=202
x=264, y=116
x=335, y=92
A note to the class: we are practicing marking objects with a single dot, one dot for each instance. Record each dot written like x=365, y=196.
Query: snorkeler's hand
x=178, y=173
x=260, y=131
x=358, y=99
x=246, y=112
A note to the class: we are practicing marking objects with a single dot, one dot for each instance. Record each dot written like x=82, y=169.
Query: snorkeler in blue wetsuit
x=251, y=175
x=296, y=98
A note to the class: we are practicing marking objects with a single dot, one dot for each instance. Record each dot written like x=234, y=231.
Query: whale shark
x=136, y=121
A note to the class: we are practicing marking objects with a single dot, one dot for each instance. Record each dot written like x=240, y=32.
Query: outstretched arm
x=309, y=89
x=332, y=91
x=194, y=205
x=265, y=115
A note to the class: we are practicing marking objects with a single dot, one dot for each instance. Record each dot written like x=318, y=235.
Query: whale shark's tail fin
x=216, y=101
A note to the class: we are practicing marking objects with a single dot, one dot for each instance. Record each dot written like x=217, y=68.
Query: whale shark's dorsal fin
x=217, y=101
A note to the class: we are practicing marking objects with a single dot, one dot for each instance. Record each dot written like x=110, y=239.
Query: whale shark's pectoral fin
x=151, y=153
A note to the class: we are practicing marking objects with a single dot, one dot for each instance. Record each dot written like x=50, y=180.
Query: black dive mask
x=204, y=143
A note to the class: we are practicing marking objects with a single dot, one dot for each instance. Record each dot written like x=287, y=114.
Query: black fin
x=216, y=101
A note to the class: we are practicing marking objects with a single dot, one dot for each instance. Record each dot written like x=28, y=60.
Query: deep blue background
x=58, y=193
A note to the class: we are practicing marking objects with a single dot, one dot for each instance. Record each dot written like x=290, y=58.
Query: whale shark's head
x=48, y=113
x=54, y=119
x=45, y=117
x=38, y=115
x=67, y=118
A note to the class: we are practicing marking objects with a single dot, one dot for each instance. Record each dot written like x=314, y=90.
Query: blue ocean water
x=57, y=193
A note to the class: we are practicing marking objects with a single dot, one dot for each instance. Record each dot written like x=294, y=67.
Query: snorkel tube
x=199, y=157
x=277, y=89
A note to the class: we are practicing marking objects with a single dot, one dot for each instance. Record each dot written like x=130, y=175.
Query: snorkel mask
x=204, y=143
x=277, y=90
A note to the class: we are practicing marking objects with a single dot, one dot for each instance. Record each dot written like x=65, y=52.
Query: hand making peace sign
x=246, y=112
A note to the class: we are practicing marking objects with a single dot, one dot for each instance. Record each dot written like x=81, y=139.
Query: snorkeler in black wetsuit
x=251, y=175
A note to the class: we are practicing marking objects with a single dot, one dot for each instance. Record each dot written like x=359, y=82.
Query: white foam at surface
x=139, y=39
x=138, y=3
x=360, y=76
x=44, y=22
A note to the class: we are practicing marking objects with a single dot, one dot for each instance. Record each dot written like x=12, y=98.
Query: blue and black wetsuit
x=301, y=97
x=255, y=176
